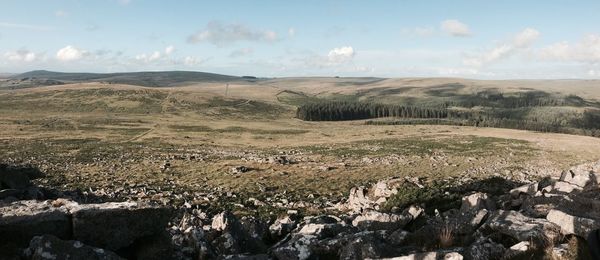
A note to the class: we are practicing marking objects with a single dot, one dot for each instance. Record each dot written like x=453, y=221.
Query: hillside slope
x=145, y=79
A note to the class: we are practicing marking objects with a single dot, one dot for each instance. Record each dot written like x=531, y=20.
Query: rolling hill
x=145, y=79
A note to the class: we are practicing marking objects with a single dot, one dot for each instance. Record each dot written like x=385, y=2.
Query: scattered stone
x=239, y=169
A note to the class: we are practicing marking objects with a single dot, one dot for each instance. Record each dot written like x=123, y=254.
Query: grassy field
x=94, y=135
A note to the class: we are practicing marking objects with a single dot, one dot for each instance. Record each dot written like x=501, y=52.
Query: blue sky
x=474, y=39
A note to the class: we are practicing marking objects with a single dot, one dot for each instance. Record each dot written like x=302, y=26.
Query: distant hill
x=146, y=79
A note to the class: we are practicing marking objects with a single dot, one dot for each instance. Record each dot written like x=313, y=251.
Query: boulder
x=529, y=189
x=580, y=177
x=17, y=177
x=235, y=237
x=561, y=186
x=321, y=230
x=299, y=247
x=22, y=220
x=282, y=226
x=435, y=255
x=485, y=248
x=13, y=180
x=51, y=247
x=373, y=220
x=116, y=225
x=477, y=201
x=519, y=249
x=358, y=200
x=517, y=225
x=386, y=188
x=366, y=245
x=570, y=224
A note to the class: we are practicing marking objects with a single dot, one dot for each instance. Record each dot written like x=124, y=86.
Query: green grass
x=465, y=146
x=236, y=129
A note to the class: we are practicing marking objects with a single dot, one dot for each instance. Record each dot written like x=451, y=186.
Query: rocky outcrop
x=22, y=220
x=129, y=221
x=570, y=224
x=374, y=220
x=51, y=247
x=466, y=221
x=111, y=226
x=517, y=225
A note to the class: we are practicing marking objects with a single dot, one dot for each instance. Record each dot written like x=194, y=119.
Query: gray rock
x=517, y=225
x=561, y=186
x=580, y=177
x=373, y=220
x=117, y=225
x=51, y=247
x=570, y=224
x=16, y=177
x=22, y=220
x=358, y=200
x=485, y=248
x=529, y=189
x=435, y=255
x=477, y=201
x=299, y=247
x=321, y=230
x=282, y=226
x=235, y=237
x=366, y=245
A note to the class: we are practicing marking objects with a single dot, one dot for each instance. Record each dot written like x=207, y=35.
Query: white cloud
x=525, y=38
x=190, y=61
x=241, y=52
x=587, y=50
x=520, y=41
x=169, y=49
x=70, y=53
x=222, y=34
x=292, y=32
x=341, y=55
x=455, y=28
x=21, y=56
x=148, y=57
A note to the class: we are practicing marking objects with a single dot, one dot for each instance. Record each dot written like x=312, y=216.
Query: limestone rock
x=476, y=201
x=570, y=224
x=373, y=220
x=115, y=225
x=22, y=220
x=485, y=248
x=517, y=225
x=51, y=247
x=358, y=200
x=282, y=227
x=530, y=189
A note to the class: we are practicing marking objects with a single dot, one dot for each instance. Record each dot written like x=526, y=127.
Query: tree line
x=587, y=123
x=342, y=110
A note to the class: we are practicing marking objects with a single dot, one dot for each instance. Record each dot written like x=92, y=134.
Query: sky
x=473, y=39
